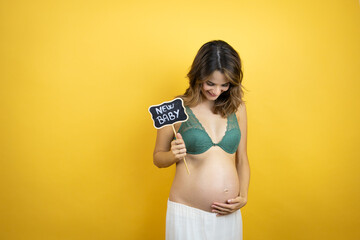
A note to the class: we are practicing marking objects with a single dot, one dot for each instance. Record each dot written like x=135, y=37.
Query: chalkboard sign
x=168, y=113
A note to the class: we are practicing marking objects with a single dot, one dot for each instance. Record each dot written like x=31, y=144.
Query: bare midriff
x=213, y=178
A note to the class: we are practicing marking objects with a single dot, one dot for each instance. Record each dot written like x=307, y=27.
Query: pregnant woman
x=205, y=204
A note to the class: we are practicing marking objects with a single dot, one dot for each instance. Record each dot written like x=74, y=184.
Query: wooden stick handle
x=183, y=157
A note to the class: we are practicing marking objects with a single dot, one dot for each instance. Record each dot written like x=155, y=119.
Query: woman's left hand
x=230, y=206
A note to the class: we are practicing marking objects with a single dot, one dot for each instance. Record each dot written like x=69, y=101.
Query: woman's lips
x=213, y=95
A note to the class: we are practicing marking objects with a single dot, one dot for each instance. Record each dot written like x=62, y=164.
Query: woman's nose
x=217, y=90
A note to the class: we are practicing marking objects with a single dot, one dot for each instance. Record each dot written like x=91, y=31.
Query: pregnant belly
x=214, y=180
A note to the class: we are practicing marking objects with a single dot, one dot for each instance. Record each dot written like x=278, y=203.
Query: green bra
x=198, y=141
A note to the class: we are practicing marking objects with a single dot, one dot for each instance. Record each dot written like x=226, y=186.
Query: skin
x=218, y=181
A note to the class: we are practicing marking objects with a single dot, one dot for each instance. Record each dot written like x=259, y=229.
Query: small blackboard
x=168, y=113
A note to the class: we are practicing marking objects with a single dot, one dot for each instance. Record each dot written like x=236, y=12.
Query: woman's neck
x=205, y=103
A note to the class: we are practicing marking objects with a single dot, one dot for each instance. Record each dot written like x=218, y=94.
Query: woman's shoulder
x=241, y=111
x=242, y=106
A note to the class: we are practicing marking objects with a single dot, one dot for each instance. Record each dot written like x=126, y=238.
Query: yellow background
x=76, y=81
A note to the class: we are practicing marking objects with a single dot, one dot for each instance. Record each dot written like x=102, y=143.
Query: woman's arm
x=242, y=162
x=168, y=151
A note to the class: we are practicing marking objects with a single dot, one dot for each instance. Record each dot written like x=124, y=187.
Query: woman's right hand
x=178, y=148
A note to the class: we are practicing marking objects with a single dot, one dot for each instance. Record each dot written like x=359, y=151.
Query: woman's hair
x=212, y=56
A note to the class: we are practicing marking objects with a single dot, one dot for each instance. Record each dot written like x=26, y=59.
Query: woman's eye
x=209, y=83
x=226, y=85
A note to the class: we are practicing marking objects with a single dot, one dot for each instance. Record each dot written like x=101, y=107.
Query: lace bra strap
x=232, y=122
x=192, y=121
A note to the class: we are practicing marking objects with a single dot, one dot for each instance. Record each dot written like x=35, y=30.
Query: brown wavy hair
x=212, y=56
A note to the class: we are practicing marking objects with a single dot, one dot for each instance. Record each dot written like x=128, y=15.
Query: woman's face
x=214, y=86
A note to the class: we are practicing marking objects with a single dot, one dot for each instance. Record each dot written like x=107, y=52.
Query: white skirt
x=188, y=223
